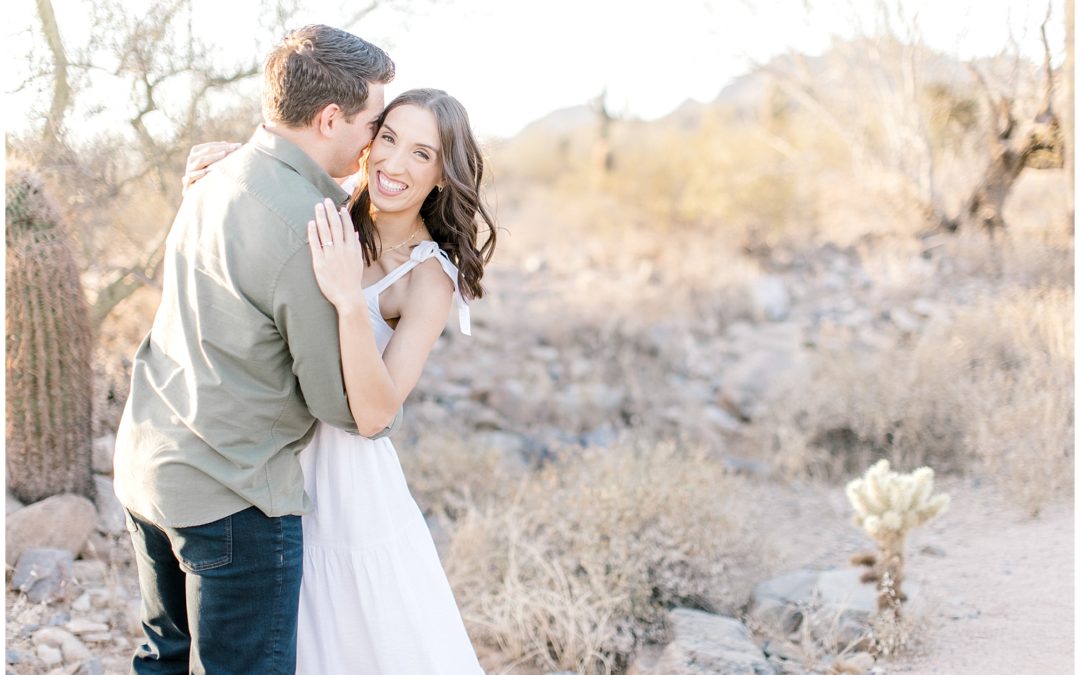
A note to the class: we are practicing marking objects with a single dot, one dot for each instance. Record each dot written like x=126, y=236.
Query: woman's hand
x=337, y=257
x=201, y=157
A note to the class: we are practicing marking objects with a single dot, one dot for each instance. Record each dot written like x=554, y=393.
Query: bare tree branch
x=61, y=100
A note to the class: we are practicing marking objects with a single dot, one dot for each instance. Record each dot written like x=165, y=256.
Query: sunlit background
x=746, y=251
x=512, y=62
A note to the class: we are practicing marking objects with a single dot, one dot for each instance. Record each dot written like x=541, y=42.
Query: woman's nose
x=393, y=162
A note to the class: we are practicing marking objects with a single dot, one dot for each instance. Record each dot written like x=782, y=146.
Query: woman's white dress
x=374, y=597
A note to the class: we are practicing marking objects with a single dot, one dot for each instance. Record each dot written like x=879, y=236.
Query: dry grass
x=989, y=389
x=579, y=565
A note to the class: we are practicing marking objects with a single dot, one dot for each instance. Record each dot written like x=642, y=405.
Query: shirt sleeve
x=308, y=323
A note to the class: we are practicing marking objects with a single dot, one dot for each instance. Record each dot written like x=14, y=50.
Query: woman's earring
x=440, y=187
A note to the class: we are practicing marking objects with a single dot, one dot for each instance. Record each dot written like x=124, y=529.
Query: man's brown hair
x=315, y=66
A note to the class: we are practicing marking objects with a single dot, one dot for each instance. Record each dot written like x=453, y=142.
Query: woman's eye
x=422, y=155
x=388, y=138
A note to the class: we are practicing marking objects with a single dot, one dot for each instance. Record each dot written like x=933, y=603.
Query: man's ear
x=327, y=120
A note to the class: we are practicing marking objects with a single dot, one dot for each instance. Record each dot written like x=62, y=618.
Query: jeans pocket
x=204, y=547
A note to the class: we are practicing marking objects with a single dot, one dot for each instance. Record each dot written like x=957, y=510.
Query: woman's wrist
x=353, y=310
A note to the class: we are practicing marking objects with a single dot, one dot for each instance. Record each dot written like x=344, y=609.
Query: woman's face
x=404, y=164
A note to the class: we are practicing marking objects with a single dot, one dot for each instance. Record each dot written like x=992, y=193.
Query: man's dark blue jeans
x=219, y=598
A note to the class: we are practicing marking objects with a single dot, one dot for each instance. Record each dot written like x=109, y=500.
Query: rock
x=111, y=519
x=593, y=401
x=82, y=604
x=904, y=320
x=603, y=437
x=507, y=397
x=53, y=636
x=96, y=547
x=644, y=659
x=782, y=649
x=75, y=651
x=89, y=572
x=78, y=626
x=856, y=664
x=99, y=637
x=43, y=574
x=59, y=618
x=721, y=418
x=15, y=656
x=91, y=667
x=102, y=454
x=750, y=381
x=746, y=467
x=507, y=443
x=836, y=604
x=11, y=504
x=708, y=643
x=49, y=656
x=63, y=521
x=770, y=299
x=780, y=601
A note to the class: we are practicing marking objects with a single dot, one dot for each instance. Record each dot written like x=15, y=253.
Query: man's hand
x=201, y=157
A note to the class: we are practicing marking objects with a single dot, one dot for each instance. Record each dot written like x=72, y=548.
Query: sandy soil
x=997, y=586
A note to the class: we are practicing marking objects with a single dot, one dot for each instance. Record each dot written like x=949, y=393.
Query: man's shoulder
x=259, y=177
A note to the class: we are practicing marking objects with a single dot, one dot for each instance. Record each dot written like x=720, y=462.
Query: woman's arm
x=376, y=385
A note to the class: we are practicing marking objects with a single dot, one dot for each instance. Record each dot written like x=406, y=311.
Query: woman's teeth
x=391, y=185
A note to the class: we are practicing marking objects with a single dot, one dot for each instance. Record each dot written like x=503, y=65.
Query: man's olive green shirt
x=243, y=355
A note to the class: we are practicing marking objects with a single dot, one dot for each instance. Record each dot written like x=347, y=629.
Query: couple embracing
x=308, y=275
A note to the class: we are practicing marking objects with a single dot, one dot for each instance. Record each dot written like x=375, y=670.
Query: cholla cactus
x=887, y=505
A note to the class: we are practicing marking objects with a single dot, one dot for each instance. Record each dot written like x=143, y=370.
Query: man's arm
x=308, y=323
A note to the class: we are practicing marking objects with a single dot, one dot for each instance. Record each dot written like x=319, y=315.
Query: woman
x=375, y=598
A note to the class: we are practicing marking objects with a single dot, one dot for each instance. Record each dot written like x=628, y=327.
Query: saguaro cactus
x=49, y=343
x=887, y=505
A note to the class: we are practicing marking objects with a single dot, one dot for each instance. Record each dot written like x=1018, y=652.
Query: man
x=241, y=360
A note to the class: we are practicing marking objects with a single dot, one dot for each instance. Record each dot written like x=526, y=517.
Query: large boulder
x=707, y=643
x=62, y=521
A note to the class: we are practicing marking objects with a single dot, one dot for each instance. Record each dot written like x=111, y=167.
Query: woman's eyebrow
x=422, y=145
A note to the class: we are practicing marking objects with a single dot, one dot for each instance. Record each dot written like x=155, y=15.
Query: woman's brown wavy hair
x=452, y=215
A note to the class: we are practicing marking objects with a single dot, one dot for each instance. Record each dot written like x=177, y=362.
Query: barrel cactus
x=49, y=347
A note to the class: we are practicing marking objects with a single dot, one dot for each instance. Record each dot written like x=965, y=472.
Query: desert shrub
x=990, y=388
x=580, y=564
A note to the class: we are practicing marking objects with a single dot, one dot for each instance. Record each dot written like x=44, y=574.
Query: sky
x=511, y=62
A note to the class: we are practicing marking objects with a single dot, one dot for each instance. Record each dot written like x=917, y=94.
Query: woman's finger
x=333, y=217
x=189, y=178
x=313, y=241
x=349, y=236
x=326, y=238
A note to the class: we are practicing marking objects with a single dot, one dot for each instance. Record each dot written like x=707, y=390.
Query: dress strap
x=420, y=253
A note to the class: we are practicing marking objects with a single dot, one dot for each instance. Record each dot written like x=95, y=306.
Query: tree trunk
x=1069, y=113
x=61, y=86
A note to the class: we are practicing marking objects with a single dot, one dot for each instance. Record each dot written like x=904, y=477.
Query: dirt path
x=997, y=585
x=1003, y=589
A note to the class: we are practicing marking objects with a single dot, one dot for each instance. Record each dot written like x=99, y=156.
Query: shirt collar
x=299, y=161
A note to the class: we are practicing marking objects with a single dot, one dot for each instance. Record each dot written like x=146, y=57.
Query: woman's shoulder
x=432, y=275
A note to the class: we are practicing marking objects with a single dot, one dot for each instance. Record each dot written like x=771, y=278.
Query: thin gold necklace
x=415, y=230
